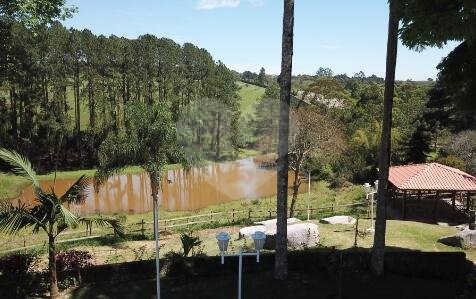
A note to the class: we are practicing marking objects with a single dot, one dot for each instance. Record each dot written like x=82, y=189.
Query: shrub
x=17, y=274
x=189, y=242
x=452, y=161
x=73, y=260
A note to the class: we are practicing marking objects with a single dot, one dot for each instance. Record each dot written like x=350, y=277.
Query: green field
x=249, y=95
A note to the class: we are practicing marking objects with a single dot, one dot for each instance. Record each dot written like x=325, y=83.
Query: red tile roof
x=431, y=176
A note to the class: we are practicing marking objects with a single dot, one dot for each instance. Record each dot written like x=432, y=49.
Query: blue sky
x=345, y=35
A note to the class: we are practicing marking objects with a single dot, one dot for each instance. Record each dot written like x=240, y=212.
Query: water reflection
x=181, y=190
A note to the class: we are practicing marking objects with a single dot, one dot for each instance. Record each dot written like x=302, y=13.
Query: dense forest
x=62, y=91
x=427, y=126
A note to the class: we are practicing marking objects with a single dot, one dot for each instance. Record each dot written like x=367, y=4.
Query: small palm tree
x=49, y=213
x=151, y=138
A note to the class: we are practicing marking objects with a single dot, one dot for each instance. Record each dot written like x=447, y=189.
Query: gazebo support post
x=468, y=199
x=435, y=207
x=404, y=203
x=453, y=201
x=419, y=195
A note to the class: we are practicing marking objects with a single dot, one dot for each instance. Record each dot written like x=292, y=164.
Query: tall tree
x=262, y=77
x=313, y=133
x=281, y=260
x=378, y=250
x=33, y=13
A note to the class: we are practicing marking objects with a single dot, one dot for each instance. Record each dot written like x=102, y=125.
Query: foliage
x=452, y=161
x=313, y=134
x=73, y=259
x=49, y=213
x=63, y=91
x=33, y=13
x=463, y=147
x=189, y=242
x=17, y=265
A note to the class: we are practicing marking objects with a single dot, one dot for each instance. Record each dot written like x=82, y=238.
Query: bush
x=17, y=278
x=73, y=260
x=452, y=161
x=189, y=242
x=18, y=264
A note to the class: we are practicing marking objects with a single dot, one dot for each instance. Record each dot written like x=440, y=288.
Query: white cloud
x=212, y=4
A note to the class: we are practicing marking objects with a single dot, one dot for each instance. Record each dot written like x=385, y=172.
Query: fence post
x=142, y=227
x=233, y=216
x=165, y=224
x=211, y=216
x=249, y=213
x=269, y=213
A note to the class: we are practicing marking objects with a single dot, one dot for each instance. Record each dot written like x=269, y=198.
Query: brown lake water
x=181, y=190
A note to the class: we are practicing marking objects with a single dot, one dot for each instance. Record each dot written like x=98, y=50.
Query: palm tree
x=378, y=250
x=151, y=139
x=281, y=262
x=49, y=214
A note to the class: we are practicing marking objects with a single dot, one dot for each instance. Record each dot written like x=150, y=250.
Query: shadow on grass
x=299, y=285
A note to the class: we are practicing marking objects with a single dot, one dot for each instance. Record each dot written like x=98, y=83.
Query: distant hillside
x=249, y=95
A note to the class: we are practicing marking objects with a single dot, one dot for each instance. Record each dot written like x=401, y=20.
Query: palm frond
x=101, y=221
x=20, y=165
x=48, y=203
x=76, y=194
x=68, y=218
x=13, y=219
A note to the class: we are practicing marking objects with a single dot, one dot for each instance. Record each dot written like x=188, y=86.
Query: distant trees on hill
x=254, y=78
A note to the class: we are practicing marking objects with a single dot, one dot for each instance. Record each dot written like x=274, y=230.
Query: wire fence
x=210, y=219
x=243, y=216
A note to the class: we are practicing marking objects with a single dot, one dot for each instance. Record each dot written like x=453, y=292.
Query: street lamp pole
x=309, y=196
x=371, y=192
x=223, y=239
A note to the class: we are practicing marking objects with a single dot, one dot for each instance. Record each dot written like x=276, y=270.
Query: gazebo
x=431, y=190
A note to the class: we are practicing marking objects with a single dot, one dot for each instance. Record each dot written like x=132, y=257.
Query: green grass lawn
x=249, y=95
x=298, y=285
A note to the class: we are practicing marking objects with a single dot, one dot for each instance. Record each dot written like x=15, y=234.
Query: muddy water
x=181, y=190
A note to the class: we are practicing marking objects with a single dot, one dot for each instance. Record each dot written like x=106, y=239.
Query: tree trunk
x=217, y=149
x=155, y=189
x=378, y=251
x=52, y=267
x=14, y=115
x=296, y=184
x=92, y=105
x=281, y=261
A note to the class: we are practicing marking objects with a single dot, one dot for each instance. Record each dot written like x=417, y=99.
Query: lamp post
x=369, y=191
x=223, y=240
x=309, y=195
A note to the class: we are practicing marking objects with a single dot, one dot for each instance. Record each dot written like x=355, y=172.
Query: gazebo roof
x=431, y=176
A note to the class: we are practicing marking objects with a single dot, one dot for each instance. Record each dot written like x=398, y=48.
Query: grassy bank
x=249, y=94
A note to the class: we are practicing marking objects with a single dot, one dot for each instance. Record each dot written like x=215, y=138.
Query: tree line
x=63, y=91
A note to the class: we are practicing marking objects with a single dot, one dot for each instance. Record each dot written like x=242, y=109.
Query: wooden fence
x=234, y=216
x=217, y=218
